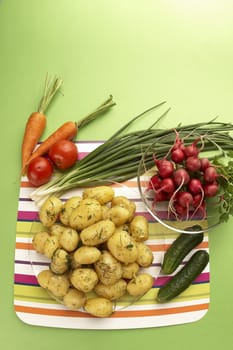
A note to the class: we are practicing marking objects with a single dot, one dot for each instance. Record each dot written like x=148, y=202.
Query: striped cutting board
x=34, y=306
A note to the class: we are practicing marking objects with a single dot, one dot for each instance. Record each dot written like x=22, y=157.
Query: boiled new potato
x=117, y=214
x=139, y=228
x=124, y=202
x=56, y=229
x=103, y=194
x=60, y=261
x=97, y=233
x=99, y=307
x=74, y=299
x=140, y=284
x=108, y=268
x=50, y=211
x=58, y=285
x=73, y=262
x=39, y=240
x=86, y=255
x=123, y=247
x=43, y=278
x=113, y=291
x=96, y=248
x=87, y=213
x=84, y=279
x=145, y=255
x=67, y=209
x=51, y=244
x=69, y=239
x=129, y=271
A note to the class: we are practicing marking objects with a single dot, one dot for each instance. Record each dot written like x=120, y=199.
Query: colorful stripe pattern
x=34, y=306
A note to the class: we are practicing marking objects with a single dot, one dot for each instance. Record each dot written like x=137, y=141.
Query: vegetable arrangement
x=97, y=249
x=101, y=230
x=59, y=148
x=118, y=159
x=69, y=129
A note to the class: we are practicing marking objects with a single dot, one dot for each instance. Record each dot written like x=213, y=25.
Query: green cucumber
x=180, y=248
x=184, y=278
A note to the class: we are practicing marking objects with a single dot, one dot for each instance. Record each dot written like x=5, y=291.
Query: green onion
x=117, y=159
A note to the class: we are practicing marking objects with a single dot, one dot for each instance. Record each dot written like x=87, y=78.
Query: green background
x=142, y=52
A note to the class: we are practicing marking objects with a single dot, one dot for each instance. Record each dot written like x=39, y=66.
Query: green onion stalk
x=118, y=158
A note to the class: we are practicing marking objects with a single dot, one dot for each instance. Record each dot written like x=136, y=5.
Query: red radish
x=167, y=185
x=178, y=142
x=210, y=189
x=181, y=177
x=193, y=163
x=154, y=183
x=165, y=167
x=205, y=163
x=200, y=211
x=195, y=186
x=160, y=196
x=210, y=174
x=177, y=155
x=197, y=200
x=185, y=199
x=192, y=150
x=181, y=211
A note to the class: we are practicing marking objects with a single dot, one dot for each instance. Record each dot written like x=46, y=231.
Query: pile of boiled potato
x=97, y=250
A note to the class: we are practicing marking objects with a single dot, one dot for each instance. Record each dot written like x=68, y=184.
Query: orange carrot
x=34, y=128
x=36, y=123
x=69, y=130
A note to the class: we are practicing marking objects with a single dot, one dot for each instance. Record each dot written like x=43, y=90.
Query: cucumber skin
x=183, y=279
x=179, y=249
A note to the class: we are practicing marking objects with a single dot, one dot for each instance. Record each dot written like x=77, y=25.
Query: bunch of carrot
x=37, y=122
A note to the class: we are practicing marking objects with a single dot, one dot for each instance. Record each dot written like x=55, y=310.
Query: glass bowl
x=196, y=219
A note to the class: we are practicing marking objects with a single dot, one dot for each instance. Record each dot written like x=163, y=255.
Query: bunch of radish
x=185, y=180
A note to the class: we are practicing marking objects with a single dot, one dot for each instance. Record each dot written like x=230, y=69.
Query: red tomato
x=64, y=154
x=39, y=171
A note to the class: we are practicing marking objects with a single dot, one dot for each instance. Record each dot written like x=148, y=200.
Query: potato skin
x=50, y=211
x=139, y=285
x=129, y=271
x=145, y=255
x=58, y=285
x=39, y=240
x=67, y=209
x=87, y=213
x=51, y=245
x=117, y=214
x=56, y=229
x=84, y=279
x=60, y=261
x=108, y=268
x=86, y=255
x=113, y=291
x=139, y=228
x=103, y=194
x=74, y=299
x=99, y=307
x=124, y=202
x=123, y=247
x=69, y=239
x=97, y=233
x=43, y=278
